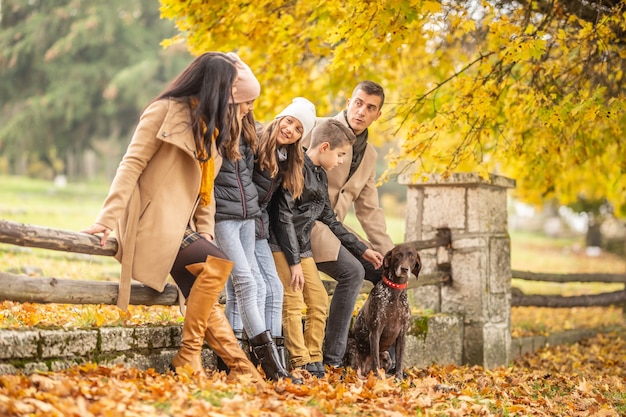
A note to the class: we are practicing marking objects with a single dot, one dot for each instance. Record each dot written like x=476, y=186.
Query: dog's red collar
x=393, y=285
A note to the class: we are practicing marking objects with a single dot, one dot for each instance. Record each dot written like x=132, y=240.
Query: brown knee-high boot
x=221, y=338
x=210, y=279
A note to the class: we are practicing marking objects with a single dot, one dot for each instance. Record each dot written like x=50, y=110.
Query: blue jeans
x=245, y=288
x=274, y=291
x=349, y=273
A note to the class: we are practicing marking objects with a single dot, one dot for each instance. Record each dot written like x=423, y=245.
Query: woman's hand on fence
x=96, y=229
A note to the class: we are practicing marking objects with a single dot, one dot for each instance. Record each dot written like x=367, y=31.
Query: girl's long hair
x=245, y=128
x=208, y=79
x=293, y=180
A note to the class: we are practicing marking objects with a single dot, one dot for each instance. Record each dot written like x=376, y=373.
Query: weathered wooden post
x=475, y=210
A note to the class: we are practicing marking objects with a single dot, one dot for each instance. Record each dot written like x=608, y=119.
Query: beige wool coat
x=154, y=195
x=359, y=190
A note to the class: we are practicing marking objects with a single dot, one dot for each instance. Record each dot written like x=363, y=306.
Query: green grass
x=41, y=203
x=559, y=255
x=536, y=253
x=395, y=227
x=38, y=202
x=76, y=206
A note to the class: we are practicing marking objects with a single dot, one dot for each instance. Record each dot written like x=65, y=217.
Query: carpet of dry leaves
x=583, y=379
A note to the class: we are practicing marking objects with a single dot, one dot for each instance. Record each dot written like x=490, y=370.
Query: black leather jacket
x=291, y=220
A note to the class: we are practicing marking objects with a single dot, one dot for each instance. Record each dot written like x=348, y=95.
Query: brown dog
x=385, y=317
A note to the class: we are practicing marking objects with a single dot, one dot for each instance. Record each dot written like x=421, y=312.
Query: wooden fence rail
x=558, y=301
x=23, y=288
x=55, y=239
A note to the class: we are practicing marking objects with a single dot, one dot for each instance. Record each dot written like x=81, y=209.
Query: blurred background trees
x=74, y=76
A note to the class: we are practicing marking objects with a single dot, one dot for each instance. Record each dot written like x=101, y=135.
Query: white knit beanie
x=303, y=110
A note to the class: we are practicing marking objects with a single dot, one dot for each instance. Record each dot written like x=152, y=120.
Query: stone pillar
x=475, y=210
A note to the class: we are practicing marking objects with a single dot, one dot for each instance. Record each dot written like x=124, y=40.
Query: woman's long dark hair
x=209, y=79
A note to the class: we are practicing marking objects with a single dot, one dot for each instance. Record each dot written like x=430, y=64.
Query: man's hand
x=373, y=257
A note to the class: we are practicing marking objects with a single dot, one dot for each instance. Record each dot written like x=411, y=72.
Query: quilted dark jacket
x=236, y=196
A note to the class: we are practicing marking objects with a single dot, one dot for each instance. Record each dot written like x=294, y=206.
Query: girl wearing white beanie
x=278, y=163
x=292, y=221
x=304, y=111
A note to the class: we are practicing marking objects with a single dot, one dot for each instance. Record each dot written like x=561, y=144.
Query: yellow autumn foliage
x=530, y=92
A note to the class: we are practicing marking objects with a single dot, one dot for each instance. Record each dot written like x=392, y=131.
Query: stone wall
x=440, y=341
x=434, y=339
x=475, y=210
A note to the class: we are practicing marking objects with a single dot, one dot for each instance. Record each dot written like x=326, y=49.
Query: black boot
x=280, y=348
x=264, y=349
x=247, y=347
x=219, y=363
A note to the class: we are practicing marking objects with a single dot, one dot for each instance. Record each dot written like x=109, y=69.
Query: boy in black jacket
x=290, y=238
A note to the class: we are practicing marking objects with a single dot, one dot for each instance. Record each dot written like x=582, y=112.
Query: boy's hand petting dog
x=373, y=257
x=297, y=277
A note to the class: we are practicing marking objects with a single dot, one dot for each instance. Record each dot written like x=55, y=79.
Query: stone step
x=433, y=339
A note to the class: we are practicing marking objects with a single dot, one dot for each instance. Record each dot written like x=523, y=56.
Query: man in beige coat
x=351, y=184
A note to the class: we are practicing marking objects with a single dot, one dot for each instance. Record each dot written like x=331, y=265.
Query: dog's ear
x=387, y=260
x=418, y=265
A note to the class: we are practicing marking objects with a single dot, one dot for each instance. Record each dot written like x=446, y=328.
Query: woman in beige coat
x=161, y=205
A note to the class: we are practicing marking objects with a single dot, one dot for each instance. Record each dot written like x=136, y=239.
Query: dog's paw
x=393, y=372
x=386, y=362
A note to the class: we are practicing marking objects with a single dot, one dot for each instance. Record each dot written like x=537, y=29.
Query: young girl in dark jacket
x=278, y=164
x=292, y=219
